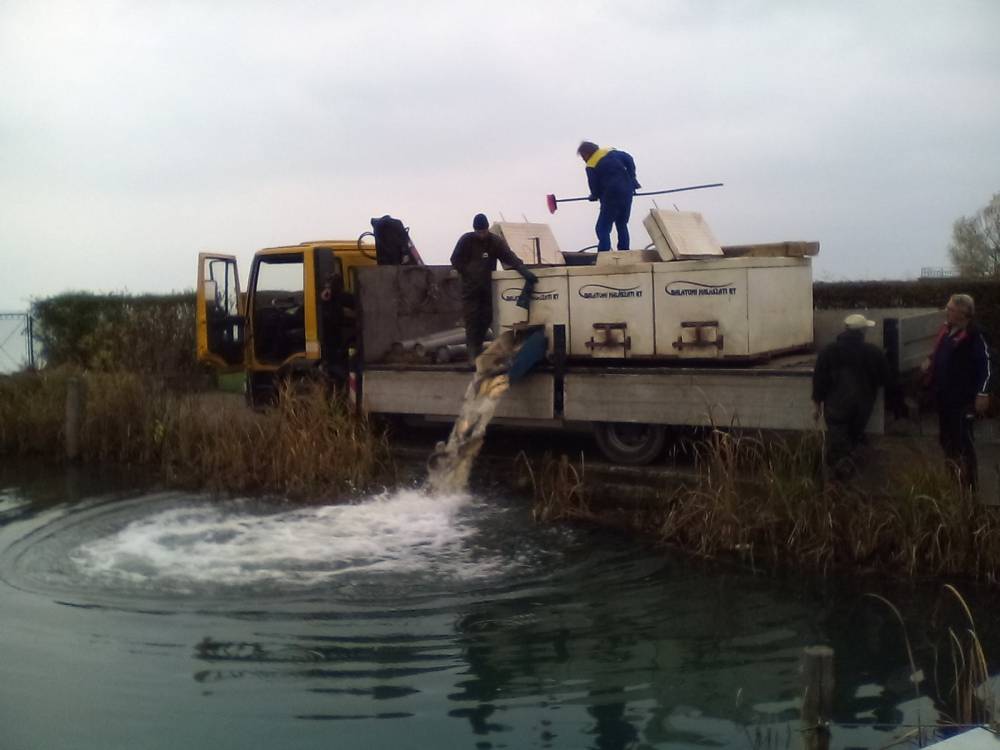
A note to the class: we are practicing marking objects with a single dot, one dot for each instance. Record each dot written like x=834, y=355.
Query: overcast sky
x=135, y=134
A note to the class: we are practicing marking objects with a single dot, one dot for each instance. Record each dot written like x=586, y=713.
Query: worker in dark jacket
x=337, y=318
x=475, y=258
x=848, y=374
x=611, y=177
x=959, y=373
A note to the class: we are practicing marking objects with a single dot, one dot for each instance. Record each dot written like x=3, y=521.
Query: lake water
x=136, y=618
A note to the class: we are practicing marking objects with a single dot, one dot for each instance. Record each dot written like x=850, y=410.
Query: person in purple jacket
x=611, y=177
x=959, y=372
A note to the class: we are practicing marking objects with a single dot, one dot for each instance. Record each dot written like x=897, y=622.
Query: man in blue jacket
x=960, y=374
x=611, y=176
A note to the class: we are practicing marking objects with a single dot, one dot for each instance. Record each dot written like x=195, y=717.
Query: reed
x=768, y=501
x=558, y=488
x=32, y=413
x=960, y=676
x=970, y=699
x=311, y=445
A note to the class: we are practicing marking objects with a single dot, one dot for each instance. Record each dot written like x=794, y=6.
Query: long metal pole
x=31, y=341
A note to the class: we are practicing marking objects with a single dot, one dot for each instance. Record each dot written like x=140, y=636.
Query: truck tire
x=630, y=443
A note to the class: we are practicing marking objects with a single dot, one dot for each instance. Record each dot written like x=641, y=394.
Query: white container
x=611, y=310
x=732, y=307
x=548, y=300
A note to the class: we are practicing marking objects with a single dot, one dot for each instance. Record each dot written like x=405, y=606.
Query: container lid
x=681, y=234
x=531, y=242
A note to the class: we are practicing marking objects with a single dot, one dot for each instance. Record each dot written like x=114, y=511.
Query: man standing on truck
x=475, y=258
x=849, y=371
x=960, y=375
x=611, y=177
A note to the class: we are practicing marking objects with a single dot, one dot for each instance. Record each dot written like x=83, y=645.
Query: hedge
x=920, y=293
x=148, y=334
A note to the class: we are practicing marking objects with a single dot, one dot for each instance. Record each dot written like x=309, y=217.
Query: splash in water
x=451, y=462
x=187, y=548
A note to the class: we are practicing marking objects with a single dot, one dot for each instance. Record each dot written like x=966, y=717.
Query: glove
x=591, y=198
x=524, y=298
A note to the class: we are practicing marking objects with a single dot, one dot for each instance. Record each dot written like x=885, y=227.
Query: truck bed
x=399, y=303
x=770, y=395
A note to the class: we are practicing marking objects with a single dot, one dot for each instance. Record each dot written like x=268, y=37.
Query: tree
x=975, y=242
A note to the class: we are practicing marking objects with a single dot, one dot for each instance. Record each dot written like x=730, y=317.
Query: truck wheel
x=629, y=442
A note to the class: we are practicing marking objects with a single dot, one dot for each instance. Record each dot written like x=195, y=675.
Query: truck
x=636, y=345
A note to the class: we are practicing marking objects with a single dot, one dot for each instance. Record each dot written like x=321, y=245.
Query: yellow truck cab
x=280, y=325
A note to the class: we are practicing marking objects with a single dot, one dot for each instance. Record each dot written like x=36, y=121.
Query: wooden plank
x=816, y=671
x=772, y=250
x=440, y=393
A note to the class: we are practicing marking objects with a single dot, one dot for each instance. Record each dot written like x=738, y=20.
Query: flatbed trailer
x=629, y=405
x=628, y=409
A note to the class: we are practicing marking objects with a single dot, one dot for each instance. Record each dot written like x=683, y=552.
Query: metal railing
x=17, y=341
x=938, y=272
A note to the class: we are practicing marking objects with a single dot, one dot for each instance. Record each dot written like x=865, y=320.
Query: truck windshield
x=278, y=308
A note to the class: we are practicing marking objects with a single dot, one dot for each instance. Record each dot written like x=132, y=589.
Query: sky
x=134, y=135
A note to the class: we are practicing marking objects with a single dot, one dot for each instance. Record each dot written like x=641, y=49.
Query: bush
x=920, y=293
x=148, y=334
x=311, y=445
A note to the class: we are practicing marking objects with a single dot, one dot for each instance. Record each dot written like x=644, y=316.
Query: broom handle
x=653, y=192
x=681, y=190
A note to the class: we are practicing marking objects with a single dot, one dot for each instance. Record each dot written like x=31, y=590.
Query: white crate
x=735, y=307
x=611, y=311
x=549, y=301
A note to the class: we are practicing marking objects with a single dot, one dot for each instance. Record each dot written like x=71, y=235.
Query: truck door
x=282, y=309
x=220, y=324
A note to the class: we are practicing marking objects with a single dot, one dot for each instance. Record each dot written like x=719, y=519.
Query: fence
x=939, y=272
x=17, y=341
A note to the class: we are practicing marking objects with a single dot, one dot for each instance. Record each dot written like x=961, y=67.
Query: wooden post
x=75, y=410
x=816, y=669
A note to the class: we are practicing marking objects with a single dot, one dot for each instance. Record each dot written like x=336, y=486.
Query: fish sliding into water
x=504, y=361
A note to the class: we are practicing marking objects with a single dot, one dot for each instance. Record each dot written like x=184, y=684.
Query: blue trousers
x=613, y=211
x=956, y=436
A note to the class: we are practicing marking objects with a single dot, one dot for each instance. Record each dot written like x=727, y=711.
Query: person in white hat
x=848, y=373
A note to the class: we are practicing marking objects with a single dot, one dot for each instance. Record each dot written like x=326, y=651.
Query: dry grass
x=558, y=488
x=768, y=501
x=309, y=446
x=960, y=674
x=970, y=699
x=32, y=412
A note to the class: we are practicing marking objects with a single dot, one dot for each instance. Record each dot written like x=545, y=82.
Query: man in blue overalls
x=611, y=176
